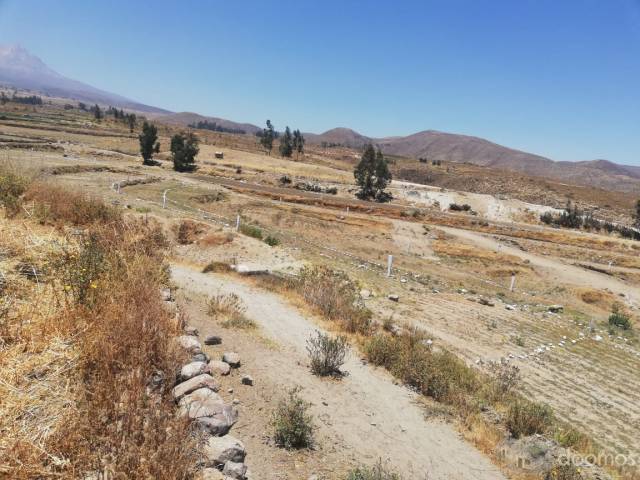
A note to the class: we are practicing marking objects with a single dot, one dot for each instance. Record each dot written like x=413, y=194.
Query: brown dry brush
x=110, y=359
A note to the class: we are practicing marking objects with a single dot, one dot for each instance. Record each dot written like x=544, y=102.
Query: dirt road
x=556, y=269
x=370, y=415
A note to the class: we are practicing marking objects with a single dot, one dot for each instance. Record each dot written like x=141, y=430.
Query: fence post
x=389, y=264
x=164, y=199
x=237, y=223
x=513, y=282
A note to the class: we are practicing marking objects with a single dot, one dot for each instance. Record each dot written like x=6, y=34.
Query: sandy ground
x=365, y=412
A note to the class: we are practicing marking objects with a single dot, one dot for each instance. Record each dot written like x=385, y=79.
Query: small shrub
x=454, y=207
x=619, y=319
x=292, y=424
x=526, y=418
x=331, y=190
x=505, y=378
x=377, y=472
x=572, y=438
x=12, y=186
x=229, y=311
x=272, y=241
x=216, y=267
x=326, y=353
x=564, y=471
x=188, y=231
x=251, y=231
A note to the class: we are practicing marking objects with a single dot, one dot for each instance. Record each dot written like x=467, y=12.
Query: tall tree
x=286, y=143
x=636, y=216
x=372, y=175
x=148, y=138
x=268, y=134
x=298, y=142
x=131, y=120
x=184, y=148
x=97, y=112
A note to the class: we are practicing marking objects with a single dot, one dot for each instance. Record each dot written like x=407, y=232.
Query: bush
x=272, y=241
x=12, y=186
x=229, y=311
x=505, y=378
x=216, y=267
x=619, y=319
x=326, y=353
x=454, y=207
x=251, y=231
x=335, y=296
x=377, y=472
x=526, y=418
x=292, y=424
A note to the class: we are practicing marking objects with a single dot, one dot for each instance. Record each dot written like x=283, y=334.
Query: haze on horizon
x=559, y=80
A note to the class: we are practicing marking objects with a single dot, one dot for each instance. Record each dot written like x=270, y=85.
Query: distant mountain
x=20, y=69
x=435, y=145
x=188, y=118
x=339, y=136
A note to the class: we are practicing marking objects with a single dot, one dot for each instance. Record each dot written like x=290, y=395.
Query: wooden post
x=389, y=264
x=237, y=223
x=513, y=282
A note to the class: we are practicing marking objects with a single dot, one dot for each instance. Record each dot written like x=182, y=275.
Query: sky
x=560, y=78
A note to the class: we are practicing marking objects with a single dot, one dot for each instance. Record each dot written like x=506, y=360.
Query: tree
x=97, y=112
x=268, y=134
x=298, y=142
x=82, y=106
x=286, y=146
x=156, y=148
x=131, y=119
x=372, y=175
x=148, y=138
x=636, y=215
x=184, y=148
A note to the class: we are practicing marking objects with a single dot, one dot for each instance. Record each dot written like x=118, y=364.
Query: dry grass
x=188, y=231
x=85, y=378
x=216, y=239
x=229, y=311
x=469, y=252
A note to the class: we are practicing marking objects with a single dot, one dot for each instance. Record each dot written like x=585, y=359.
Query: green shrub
x=326, y=353
x=251, y=231
x=292, y=424
x=526, y=418
x=272, y=241
x=619, y=319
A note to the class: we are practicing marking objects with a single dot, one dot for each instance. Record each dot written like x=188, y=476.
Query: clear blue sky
x=556, y=77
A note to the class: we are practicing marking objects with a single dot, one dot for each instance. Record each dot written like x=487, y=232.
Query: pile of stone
x=196, y=393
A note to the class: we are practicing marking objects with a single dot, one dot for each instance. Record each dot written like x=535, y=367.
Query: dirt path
x=556, y=269
x=365, y=411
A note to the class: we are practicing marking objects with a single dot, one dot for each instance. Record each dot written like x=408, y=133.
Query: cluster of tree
x=326, y=145
x=433, y=162
x=30, y=100
x=290, y=142
x=372, y=175
x=572, y=217
x=213, y=126
x=97, y=112
x=126, y=118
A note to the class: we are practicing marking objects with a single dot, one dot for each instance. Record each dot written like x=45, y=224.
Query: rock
x=165, y=293
x=209, y=474
x=220, y=450
x=213, y=340
x=364, y=293
x=235, y=470
x=555, y=308
x=221, y=368
x=232, y=358
x=200, y=381
x=484, y=301
x=192, y=369
x=191, y=330
x=393, y=297
x=220, y=423
x=247, y=380
x=201, y=403
x=189, y=343
x=200, y=357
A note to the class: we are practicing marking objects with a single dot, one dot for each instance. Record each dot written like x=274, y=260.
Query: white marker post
x=389, y=264
x=164, y=198
x=237, y=223
x=513, y=282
